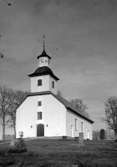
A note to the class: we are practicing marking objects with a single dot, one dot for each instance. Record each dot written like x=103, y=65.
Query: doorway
x=40, y=130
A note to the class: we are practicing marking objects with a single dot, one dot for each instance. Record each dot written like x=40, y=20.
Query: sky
x=81, y=38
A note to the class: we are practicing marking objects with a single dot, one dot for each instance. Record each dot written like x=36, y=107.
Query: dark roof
x=69, y=106
x=43, y=54
x=43, y=71
x=66, y=103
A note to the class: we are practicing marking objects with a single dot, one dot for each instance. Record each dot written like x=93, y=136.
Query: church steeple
x=44, y=58
x=43, y=42
x=43, y=79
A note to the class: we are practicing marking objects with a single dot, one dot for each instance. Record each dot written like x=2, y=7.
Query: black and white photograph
x=58, y=83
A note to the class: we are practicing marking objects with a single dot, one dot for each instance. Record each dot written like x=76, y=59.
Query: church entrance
x=40, y=130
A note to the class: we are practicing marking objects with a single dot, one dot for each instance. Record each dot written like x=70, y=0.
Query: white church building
x=43, y=113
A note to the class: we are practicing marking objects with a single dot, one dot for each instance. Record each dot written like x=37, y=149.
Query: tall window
x=75, y=124
x=39, y=82
x=39, y=115
x=39, y=103
x=52, y=84
x=81, y=126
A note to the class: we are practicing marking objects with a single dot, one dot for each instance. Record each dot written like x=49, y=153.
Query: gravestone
x=81, y=138
x=76, y=139
x=12, y=143
x=102, y=134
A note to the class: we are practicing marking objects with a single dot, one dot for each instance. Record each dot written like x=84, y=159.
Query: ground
x=61, y=153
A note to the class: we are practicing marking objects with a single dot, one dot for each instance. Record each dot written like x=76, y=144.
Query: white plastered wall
x=26, y=118
x=43, y=87
x=53, y=116
x=53, y=90
x=74, y=132
x=46, y=84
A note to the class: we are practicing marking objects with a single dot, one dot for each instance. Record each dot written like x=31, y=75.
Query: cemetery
x=59, y=152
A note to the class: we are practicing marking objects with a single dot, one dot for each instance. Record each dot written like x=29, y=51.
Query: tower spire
x=43, y=42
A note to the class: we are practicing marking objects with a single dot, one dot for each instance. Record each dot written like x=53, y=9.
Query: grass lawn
x=61, y=153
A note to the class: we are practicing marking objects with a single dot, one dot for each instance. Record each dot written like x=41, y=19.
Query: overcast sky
x=81, y=37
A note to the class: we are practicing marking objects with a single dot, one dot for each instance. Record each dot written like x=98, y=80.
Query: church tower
x=43, y=79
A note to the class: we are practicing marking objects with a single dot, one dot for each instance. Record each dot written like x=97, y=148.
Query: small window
x=75, y=124
x=39, y=103
x=81, y=126
x=39, y=115
x=52, y=84
x=39, y=82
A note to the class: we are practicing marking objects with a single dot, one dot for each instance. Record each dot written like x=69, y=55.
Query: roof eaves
x=34, y=75
x=62, y=100
x=68, y=106
x=39, y=93
x=43, y=56
x=89, y=120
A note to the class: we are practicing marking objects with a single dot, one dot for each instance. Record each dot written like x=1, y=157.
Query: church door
x=40, y=130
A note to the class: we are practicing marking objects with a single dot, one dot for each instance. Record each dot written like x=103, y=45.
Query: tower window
x=39, y=82
x=39, y=103
x=39, y=115
x=52, y=84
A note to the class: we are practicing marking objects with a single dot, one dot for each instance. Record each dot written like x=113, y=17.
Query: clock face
x=43, y=60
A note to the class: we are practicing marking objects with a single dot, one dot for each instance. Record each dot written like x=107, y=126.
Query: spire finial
x=43, y=42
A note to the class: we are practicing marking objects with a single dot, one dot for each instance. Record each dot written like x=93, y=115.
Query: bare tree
x=9, y=101
x=16, y=98
x=4, y=107
x=80, y=106
x=111, y=113
x=59, y=94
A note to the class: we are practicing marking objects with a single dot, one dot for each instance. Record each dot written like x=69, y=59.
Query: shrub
x=116, y=140
x=64, y=137
x=76, y=139
x=18, y=147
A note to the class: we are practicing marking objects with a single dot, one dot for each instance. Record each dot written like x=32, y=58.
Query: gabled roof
x=69, y=106
x=66, y=103
x=43, y=71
